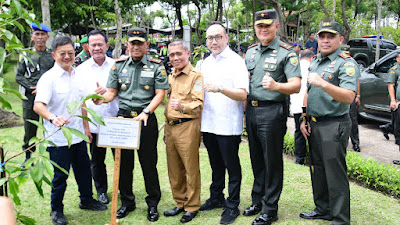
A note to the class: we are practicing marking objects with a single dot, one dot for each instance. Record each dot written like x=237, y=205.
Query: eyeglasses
x=63, y=54
x=178, y=54
x=217, y=38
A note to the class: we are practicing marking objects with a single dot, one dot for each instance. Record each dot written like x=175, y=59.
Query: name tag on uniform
x=271, y=60
x=149, y=74
x=124, y=74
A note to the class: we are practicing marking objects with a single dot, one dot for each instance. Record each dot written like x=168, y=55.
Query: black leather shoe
x=264, y=219
x=315, y=216
x=384, y=131
x=212, y=204
x=124, y=211
x=229, y=215
x=103, y=198
x=299, y=161
x=152, y=214
x=188, y=216
x=58, y=218
x=252, y=210
x=93, y=205
x=397, y=162
x=173, y=212
x=356, y=148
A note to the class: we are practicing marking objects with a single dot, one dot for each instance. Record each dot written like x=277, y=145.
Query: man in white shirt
x=94, y=72
x=55, y=89
x=226, y=86
x=296, y=104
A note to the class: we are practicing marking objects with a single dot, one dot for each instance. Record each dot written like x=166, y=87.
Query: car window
x=388, y=45
x=373, y=42
x=385, y=66
x=357, y=43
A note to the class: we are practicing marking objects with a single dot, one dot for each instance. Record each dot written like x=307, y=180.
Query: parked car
x=363, y=49
x=374, y=99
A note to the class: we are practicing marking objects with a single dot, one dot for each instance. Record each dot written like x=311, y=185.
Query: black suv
x=374, y=100
x=363, y=49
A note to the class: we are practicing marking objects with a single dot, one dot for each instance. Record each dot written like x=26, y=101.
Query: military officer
x=332, y=84
x=274, y=73
x=84, y=54
x=394, y=93
x=139, y=83
x=27, y=76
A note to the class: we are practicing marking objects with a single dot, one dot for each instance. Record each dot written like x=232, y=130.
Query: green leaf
x=5, y=104
x=42, y=148
x=38, y=124
x=33, y=140
x=95, y=96
x=48, y=166
x=8, y=34
x=22, y=178
x=15, y=92
x=26, y=220
x=14, y=190
x=97, y=117
x=21, y=28
x=67, y=135
x=59, y=167
x=38, y=185
x=8, y=140
x=78, y=133
x=86, y=118
x=3, y=181
x=36, y=172
x=47, y=181
x=73, y=106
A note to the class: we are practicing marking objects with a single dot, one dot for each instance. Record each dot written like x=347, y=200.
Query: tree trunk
x=254, y=19
x=178, y=6
x=347, y=28
x=198, y=21
x=378, y=30
x=119, y=29
x=218, y=16
x=91, y=3
x=211, y=9
x=333, y=10
x=46, y=19
x=324, y=9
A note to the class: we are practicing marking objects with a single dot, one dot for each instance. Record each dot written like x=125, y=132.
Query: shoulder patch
x=120, y=60
x=113, y=67
x=395, y=67
x=344, y=55
x=349, y=64
x=285, y=46
x=253, y=45
x=156, y=60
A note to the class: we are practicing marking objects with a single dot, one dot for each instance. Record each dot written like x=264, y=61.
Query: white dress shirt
x=91, y=73
x=222, y=115
x=56, y=88
x=296, y=100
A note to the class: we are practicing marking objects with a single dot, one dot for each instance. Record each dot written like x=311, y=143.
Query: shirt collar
x=60, y=71
x=274, y=44
x=93, y=63
x=143, y=60
x=186, y=70
x=331, y=57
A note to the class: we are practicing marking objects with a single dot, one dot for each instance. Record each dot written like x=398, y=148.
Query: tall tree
x=118, y=16
x=46, y=18
x=378, y=30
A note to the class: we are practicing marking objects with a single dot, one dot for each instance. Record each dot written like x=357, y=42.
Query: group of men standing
x=211, y=102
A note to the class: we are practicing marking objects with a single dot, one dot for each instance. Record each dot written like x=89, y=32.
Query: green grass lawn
x=367, y=206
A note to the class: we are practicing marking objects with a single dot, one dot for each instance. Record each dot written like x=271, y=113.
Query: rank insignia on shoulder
x=113, y=67
x=120, y=59
x=344, y=55
x=253, y=45
x=350, y=71
x=156, y=60
x=349, y=64
x=292, y=54
x=285, y=46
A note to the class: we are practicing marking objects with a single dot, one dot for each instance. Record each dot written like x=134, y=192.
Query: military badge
x=127, y=80
x=124, y=70
x=350, y=71
x=123, y=87
x=333, y=62
x=147, y=87
x=294, y=61
x=275, y=51
x=164, y=73
x=272, y=67
x=330, y=77
x=322, y=75
x=113, y=67
x=119, y=81
x=266, y=66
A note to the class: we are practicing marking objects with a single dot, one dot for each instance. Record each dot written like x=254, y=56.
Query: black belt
x=256, y=103
x=328, y=118
x=179, y=121
x=130, y=113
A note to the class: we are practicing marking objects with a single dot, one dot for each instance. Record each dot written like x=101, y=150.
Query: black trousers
x=266, y=128
x=223, y=155
x=98, y=166
x=148, y=160
x=30, y=128
x=331, y=191
x=354, y=137
x=299, y=140
x=396, y=125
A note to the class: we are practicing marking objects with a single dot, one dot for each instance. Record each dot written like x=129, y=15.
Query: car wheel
x=361, y=64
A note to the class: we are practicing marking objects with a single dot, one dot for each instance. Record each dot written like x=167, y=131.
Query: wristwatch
x=146, y=110
x=220, y=88
x=52, y=117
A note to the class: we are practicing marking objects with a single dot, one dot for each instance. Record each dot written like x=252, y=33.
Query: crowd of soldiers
x=209, y=101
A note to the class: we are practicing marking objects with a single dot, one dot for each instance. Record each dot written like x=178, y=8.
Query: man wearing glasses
x=274, y=73
x=56, y=88
x=27, y=76
x=139, y=83
x=226, y=85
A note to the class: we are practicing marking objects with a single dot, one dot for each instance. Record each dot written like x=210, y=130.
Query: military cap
x=137, y=33
x=43, y=27
x=266, y=16
x=84, y=40
x=297, y=44
x=330, y=27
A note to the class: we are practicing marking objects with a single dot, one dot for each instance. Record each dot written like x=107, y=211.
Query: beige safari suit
x=183, y=140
